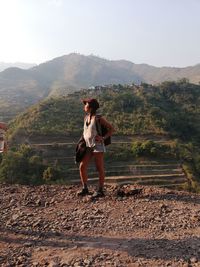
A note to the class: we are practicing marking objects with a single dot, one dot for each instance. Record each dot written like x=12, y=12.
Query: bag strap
x=98, y=124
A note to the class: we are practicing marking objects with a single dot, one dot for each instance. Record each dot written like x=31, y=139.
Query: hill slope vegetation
x=170, y=108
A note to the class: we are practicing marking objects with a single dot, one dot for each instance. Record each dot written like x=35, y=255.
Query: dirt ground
x=50, y=225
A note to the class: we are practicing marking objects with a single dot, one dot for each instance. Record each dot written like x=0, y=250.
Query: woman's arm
x=110, y=128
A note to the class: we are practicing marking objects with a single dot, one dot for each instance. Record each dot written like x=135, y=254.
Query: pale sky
x=156, y=32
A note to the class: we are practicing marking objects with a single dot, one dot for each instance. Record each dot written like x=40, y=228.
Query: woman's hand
x=98, y=138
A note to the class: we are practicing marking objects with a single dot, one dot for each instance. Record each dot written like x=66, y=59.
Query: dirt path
x=51, y=226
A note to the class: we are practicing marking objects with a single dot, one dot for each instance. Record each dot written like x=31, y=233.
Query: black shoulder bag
x=80, y=150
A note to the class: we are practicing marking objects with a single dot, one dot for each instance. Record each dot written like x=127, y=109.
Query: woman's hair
x=93, y=110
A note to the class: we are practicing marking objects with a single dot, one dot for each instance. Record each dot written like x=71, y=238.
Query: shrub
x=51, y=174
x=150, y=149
x=21, y=166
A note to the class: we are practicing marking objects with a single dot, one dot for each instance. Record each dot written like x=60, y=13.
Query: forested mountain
x=171, y=108
x=60, y=76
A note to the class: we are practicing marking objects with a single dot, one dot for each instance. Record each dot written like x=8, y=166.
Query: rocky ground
x=51, y=226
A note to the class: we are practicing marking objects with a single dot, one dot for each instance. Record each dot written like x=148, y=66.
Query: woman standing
x=94, y=146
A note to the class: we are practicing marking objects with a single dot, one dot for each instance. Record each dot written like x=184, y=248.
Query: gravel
x=132, y=225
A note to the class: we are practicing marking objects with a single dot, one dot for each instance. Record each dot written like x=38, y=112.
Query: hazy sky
x=156, y=32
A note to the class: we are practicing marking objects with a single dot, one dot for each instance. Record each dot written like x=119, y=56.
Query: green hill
x=168, y=114
x=171, y=108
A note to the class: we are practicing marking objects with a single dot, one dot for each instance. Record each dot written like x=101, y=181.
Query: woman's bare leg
x=99, y=161
x=83, y=168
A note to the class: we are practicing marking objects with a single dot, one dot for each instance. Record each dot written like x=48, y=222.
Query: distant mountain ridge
x=21, y=88
x=21, y=65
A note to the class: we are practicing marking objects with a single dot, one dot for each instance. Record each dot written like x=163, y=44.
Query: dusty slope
x=50, y=226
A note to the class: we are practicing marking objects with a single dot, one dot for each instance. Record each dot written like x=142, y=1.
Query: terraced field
x=166, y=172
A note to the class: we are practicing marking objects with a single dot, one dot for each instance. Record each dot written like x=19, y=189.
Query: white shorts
x=97, y=148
